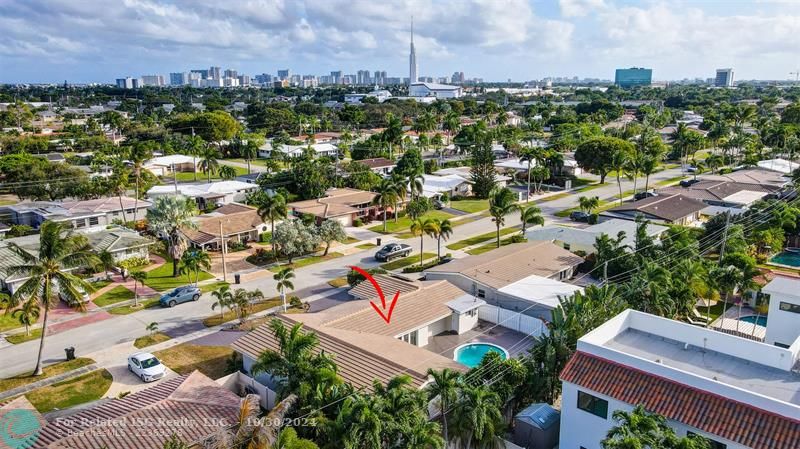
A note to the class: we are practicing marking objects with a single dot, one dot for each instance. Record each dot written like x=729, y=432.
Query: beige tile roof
x=337, y=201
x=235, y=220
x=669, y=208
x=388, y=283
x=187, y=406
x=511, y=263
x=412, y=310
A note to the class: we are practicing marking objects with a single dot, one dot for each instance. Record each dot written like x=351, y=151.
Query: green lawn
x=22, y=338
x=338, y=282
x=49, y=371
x=557, y=196
x=403, y=223
x=229, y=315
x=213, y=361
x=590, y=187
x=113, y=296
x=350, y=240
x=201, y=177
x=310, y=260
x=480, y=239
x=488, y=247
x=406, y=261
x=150, y=340
x=161, y=278
x=7, y=321
x=670, y=181
x=143, y=304
x=205, y=288
x=604, y=205
x=366, y=246
x=80, y=390
x=470, y=206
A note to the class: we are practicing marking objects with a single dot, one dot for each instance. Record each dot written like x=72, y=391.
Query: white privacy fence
x=511, y=319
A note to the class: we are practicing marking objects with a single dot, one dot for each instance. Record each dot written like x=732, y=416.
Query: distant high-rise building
x=412, y=58
x=284, y=74
x=634, y=76
x=126, y=83
x=215, y=73
x=457, y=78
x=244, y=80
x=178, y=79
x=202, y=72
x=153, y=80
x=231, y=73
x=724, y=78
x=363, y=77
x=264, y=78
x=336, y=77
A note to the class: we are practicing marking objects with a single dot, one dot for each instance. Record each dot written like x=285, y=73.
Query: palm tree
x=501, y=203
x=530, y=215
x=138, y=155
x=529, y=156
x=241, y=300
x=272, y=208
x=640, y=429
x=588, y=204
x=249, y=152
x=419, y=227
x=195, y=147
x=209, y=161
x=152, y=328
x=477, y=418
x=223, y=297
x=138, y=277
x=415, y=185
x=440, y=230
x=27, y=315
x=107, y=261
x=444, y=385
x=119, y=183
x=227, y=172
x=386, y=197
x=49, y=273
x=284, y=279
x=193, y=261
x=714, y=162
x=167, y=217
x=618, y=163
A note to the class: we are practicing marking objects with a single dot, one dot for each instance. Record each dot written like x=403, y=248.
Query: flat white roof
x=540, y=290
x=465, y=303
x=779, y=165
x=195, y=190
x=171, y=159
x=744, y=197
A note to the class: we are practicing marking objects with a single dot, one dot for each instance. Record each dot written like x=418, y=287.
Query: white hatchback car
x=146, y=366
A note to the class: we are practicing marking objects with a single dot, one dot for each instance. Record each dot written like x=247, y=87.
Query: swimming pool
x=471, y=354
x=760, y=320
x=787, y=258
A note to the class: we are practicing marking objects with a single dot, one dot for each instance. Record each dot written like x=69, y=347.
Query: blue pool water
x=790, y=258
x=759, y=320
x=472, y=353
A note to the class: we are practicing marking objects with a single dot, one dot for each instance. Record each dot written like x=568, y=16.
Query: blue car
x=179, y=295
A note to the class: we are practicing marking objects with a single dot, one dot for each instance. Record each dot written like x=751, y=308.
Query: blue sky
x=99, y=40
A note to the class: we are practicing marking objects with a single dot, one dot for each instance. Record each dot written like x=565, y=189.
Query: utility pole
x=724, y=236
x=223, y=247
x=605, y=273
x=175, y=178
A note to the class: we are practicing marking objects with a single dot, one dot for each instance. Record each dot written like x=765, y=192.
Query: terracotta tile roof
x=511, y=263
x=669, y=208
x=357, y=365
x=729, y=419
x=183, y=405
x=388, y=283
x=235, y=219
x=412, y=310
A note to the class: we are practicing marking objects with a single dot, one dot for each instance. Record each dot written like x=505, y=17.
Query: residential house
x=583, y=239
x=451, y=185
x=736, y=392
x=723, y=195
x=379, y=165
x=344, y=205
x=779, y=165
x=754, y=176
x=193, y=408
x=207, y=194
x=465, y=173
x=236, y=222
x=122, y=243
x=665, y=209
x=524, y=277
x=174, y=163
x=292, y=151
x=80, y=214
x=783, y=325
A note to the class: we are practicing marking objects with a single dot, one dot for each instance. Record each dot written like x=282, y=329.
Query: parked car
x=179, y=295
x=689, y=182
x=84, y=296
x=393, y=251
x=146, y=366
x=643, y=195
x=579, y=216
x=438, y=204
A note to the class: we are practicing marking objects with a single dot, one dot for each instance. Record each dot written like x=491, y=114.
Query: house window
x=593, y=405
x=93, y=221
x=781, y=345
x=711, y=443
x=472, y=312
x=129, y=211
x=80, y=223
x=481, y=293
x=566, y=246
x=789, y=307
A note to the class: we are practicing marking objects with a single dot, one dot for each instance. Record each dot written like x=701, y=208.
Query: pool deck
x=516, y=343
x=729, y=322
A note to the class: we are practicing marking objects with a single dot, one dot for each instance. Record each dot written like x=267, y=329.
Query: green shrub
x=295, y=302
x=19, y=230
x=593, y=219
x=133, y=262
x=354, y=277
x=516, y=238
x=358, y=222
x=265, y=237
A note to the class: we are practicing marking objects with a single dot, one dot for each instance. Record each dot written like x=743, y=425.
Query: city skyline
x=54, y=41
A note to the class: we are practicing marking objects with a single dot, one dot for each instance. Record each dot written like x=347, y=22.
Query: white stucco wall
x=782, y=326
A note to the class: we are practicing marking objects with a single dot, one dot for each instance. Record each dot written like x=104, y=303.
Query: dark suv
x=393, y=251
x=579, y=216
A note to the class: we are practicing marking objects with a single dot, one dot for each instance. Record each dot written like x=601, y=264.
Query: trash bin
x=236, y=279
x=70, y=351
x=379, y=241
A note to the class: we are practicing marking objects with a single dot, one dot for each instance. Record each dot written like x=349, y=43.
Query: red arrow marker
x=388, y=315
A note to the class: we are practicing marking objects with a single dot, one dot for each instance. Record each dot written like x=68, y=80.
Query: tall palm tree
x=444, y=385
x=209, y=161
x=138, y=155
x=477, y=418
x=242, y=300
x=28, y=314
x=223, y=297
x=415, y=185
x=440, y=230
x=419, y=227
x=195, y=147
x=529, y=156
x=249, y=151
x=49, y=273
x=386, y=197
x=284, y=279
x=501, y=203
x=618, y=163
x=226, y=172
x=193, y=261
x=588, y=204
x=167, y=217
x=530, y=215
x=138, y=277
x=714, y=162
x=273, y=207
x=107, y=261
x=119, y=183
